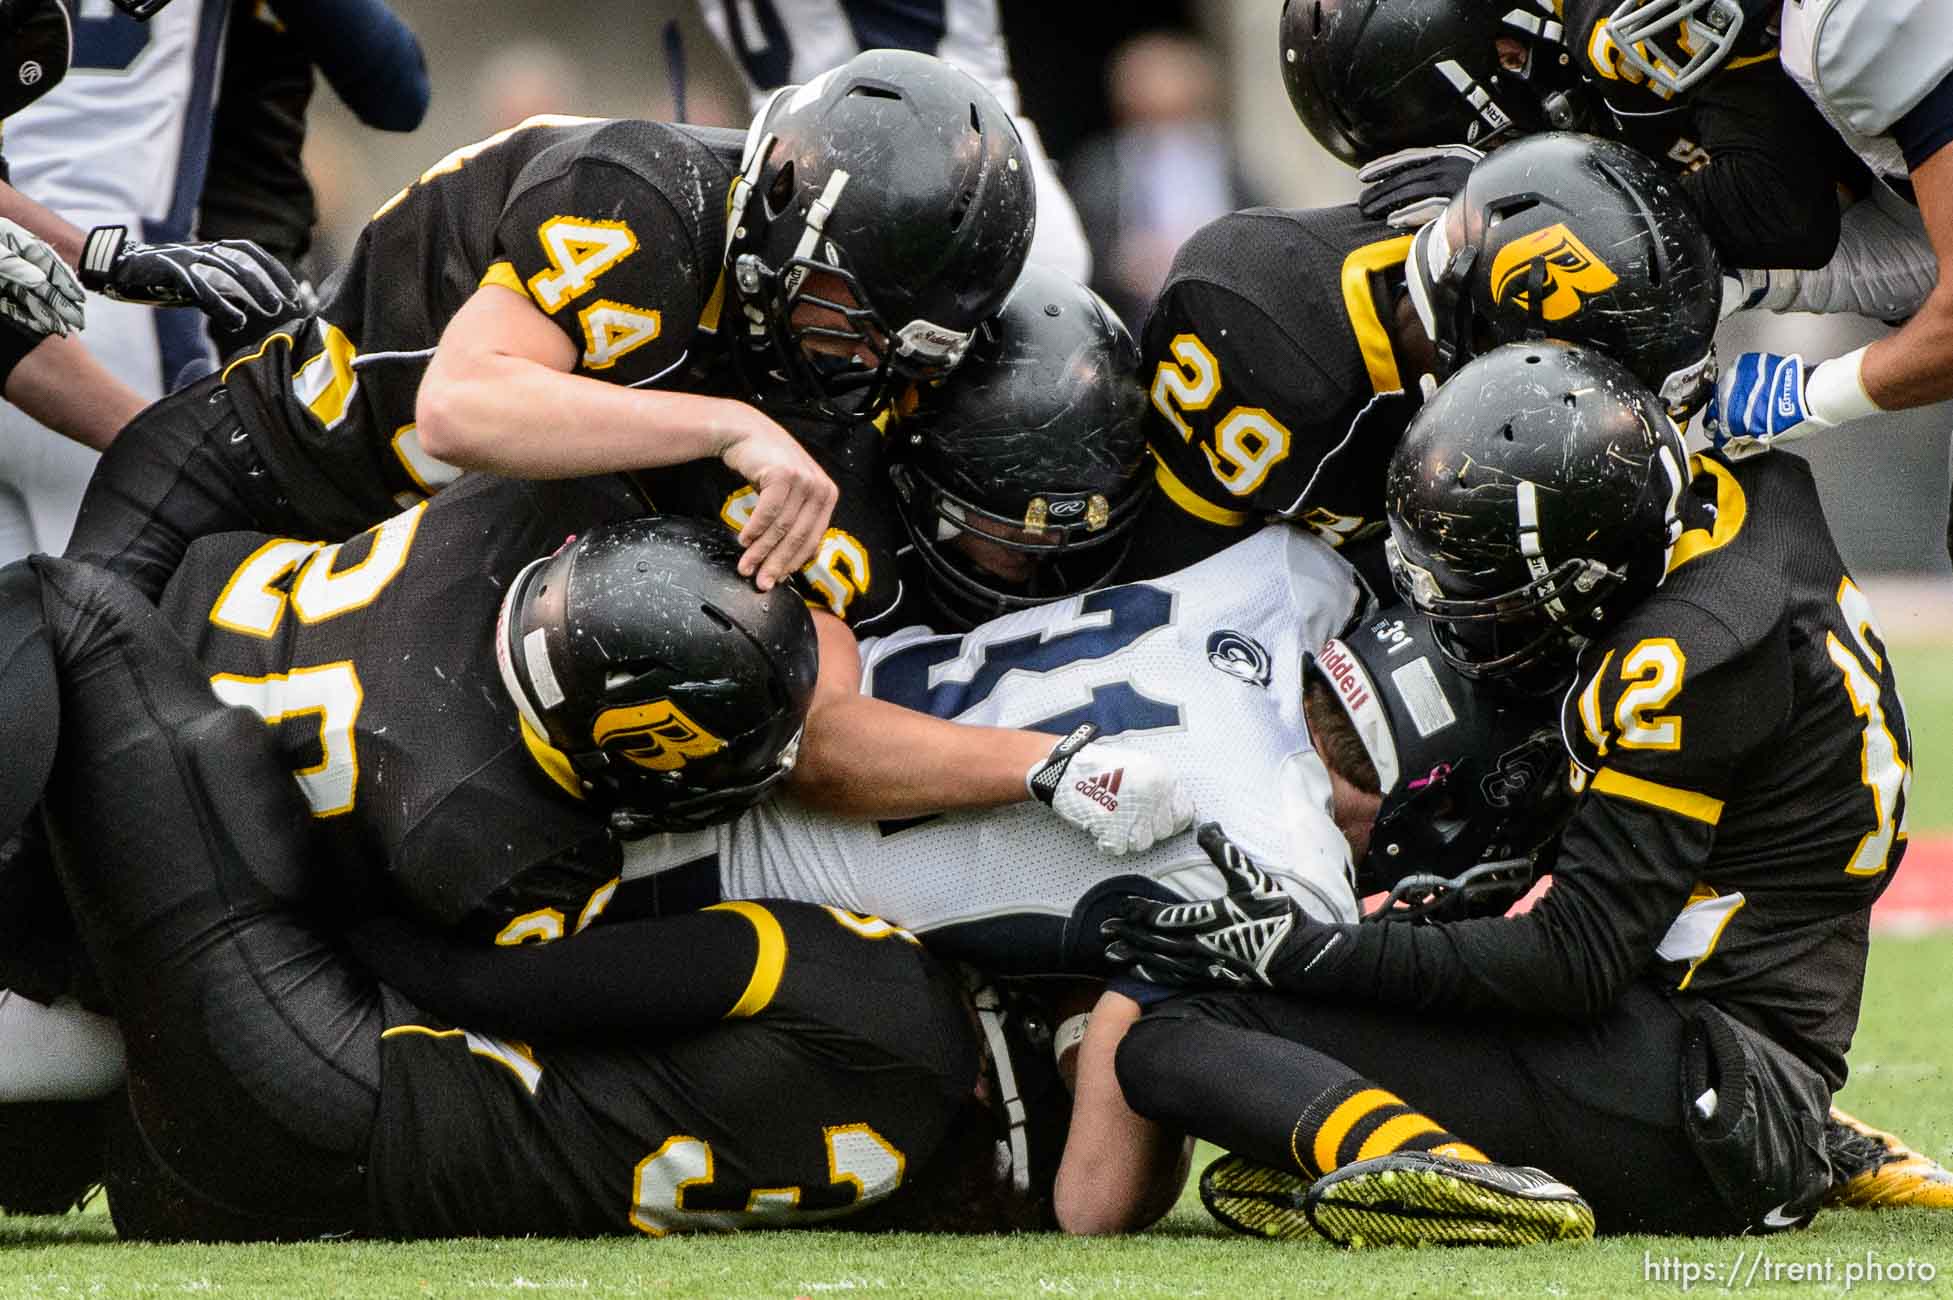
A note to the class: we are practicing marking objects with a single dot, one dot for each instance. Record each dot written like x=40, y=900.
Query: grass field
x=1901, y=1074
x=1902, y=1078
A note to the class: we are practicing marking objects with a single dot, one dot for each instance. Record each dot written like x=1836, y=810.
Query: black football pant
x=182, y=469
x=180, y=840
x=1599, y=1106
x=253, y=1040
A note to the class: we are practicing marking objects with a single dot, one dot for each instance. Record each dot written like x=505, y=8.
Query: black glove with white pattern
x=232, y=281
x=1229, y=941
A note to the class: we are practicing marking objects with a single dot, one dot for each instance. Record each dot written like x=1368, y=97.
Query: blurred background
x=1161, y=113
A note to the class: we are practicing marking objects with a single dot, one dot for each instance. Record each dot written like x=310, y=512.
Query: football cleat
x=1256, y=1199
x=1414, y=1198
x=1873, y=1169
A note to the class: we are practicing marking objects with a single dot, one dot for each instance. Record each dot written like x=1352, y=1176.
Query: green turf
x=1926, y=683
x=1901, y=1066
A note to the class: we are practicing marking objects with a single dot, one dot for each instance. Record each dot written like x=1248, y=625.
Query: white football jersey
x=777, y=43
x=1203, y=668
x=125, y=137
x=1866, y=63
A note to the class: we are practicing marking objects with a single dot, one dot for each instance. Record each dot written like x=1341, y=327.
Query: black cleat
x=1414, y=1198
x=1256, y=1199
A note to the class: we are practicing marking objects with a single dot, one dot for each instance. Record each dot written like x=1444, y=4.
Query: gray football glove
x=232, y=281
x=1412, y=186
x=37, y=290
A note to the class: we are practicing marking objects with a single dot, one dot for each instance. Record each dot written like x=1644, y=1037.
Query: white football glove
x=1126, y=800
x=37, y=290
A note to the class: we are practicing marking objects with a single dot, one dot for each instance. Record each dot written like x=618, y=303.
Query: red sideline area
x=1920, y=897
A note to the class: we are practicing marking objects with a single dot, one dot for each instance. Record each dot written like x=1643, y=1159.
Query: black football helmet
x=1034, y=448
x=1369, y=77
x=141, y=10
x=1577, y=238
x=1533, y=502
x=1030, y=1105
x=900, y=177
x=1671, y=45
x=674, y=688
x=40, y=45
x=1473, y=776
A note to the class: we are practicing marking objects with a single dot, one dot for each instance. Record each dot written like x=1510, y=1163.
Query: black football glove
x=1230, y=941
x=37, y=290
x=1412, y=186
x=232, y=281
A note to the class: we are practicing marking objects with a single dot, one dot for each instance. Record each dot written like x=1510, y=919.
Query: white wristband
x=1834, y=392
x=1071, y=1032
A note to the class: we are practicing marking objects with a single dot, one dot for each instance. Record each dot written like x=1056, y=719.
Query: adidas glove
x=1235, y=939
x=232, y=281
x=1126, y=800
x=37, y=290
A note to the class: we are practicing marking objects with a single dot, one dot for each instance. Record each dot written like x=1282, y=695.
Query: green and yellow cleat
x=1256, y=1199
x=1414, y=1198
x=1873, y=1169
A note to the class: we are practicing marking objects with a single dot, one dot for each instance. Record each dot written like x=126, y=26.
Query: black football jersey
x=1746, y=760
x=614, y=229
x=374, y=661
x=855, y=574
x=852, y=1054
x=1275, y=392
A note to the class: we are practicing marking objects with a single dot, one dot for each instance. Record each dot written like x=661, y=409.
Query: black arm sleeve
x=1768, y=196
x=15, y=344
x=1624, y=872
x=1928, y=127
x=368, y=54
x=617, y=978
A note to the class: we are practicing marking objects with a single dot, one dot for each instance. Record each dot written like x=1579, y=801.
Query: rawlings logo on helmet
x=657, y=736
x=1570, y=273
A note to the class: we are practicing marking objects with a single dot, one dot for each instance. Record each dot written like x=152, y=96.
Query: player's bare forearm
x=61, y=384
x=863, y=757
x=499, y=396
x=1120, y=1172
x=65, y=237
x=1915, y=366
x=870, y=758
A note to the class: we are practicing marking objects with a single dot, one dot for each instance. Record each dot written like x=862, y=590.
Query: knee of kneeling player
x=1164, y=1065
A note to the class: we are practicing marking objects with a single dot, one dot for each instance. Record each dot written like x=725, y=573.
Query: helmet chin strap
x=535, y=656
x=1672, y=514
x=1478, y=97
x=1527, y=501
x=990, y=1015
x=1544, y=25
